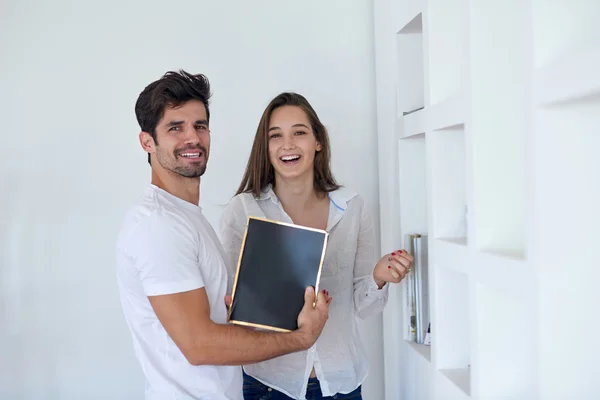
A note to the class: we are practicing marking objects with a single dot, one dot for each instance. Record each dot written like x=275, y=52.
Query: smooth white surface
x=451, y=325
x=570, y=78
x=567, y=139
x=507, y=366
x=409, y=48
x=456, y=254
x=562, y=27
x=414, y=124
x=413, y=190
x=402, y=13
x=460, y=377
x=71, y=165
x=448, y=113
x=387, y=147
x=446, y=152
x=447, y=48
x=515, y=296
x=421, y=349
x=500, y=113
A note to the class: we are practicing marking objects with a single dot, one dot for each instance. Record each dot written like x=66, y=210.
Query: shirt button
x=269, y=390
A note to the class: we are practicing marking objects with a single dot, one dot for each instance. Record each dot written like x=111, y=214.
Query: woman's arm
x=369, y=298
x=371, y=277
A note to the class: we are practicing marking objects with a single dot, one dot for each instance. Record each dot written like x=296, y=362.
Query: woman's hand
x=392, y=267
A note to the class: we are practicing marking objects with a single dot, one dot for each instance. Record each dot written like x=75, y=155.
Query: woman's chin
x=292, y=174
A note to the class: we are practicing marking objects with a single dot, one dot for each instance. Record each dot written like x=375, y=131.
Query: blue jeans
x=255, y=390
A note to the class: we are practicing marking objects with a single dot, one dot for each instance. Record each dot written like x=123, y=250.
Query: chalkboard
x=277, y=262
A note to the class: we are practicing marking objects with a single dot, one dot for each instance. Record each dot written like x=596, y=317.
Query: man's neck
x=296, y=194
x=187, y=189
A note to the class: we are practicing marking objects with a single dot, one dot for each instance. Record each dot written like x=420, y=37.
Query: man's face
x=182, y=140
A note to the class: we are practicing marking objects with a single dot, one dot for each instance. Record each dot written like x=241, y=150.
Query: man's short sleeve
x=165, y=255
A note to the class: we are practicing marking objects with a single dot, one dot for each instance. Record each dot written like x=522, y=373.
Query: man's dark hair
x=171, y=90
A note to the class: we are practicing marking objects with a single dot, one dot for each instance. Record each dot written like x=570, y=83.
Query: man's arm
x=186, y=318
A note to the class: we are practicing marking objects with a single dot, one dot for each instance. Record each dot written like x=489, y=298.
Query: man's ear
x=147, y=142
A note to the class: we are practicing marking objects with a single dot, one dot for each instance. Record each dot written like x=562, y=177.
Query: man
x=171, y=266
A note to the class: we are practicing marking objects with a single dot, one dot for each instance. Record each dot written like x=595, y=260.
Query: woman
x=288, y=178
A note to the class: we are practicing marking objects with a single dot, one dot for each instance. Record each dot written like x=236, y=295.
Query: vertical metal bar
x=418, y=286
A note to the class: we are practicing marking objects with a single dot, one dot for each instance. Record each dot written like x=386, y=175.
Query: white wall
x=71, y=164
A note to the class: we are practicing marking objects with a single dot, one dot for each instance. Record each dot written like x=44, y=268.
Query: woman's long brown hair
x=259, y=171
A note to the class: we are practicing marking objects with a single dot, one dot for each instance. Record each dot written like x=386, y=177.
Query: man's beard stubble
x=194, y=170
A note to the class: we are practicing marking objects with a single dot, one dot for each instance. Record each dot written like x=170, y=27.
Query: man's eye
x=174, y=128
x=201, y=127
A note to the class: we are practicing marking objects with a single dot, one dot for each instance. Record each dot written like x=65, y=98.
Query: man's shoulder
x=151, y=215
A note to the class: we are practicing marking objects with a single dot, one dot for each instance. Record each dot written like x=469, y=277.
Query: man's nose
x=191, y=135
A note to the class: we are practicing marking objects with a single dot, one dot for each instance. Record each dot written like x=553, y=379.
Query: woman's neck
x=296, y=194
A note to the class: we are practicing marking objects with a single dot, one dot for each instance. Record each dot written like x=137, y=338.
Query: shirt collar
x=339, y=197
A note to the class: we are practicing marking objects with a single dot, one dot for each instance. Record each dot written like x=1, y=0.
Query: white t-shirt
x=166, y=246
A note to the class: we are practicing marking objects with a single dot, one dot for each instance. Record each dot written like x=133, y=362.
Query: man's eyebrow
x=293, y=126
x=175, y=123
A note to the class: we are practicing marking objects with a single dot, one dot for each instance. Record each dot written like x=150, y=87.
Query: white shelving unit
x=488, y=120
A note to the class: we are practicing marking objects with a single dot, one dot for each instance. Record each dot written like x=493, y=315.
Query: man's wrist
x=300, y=340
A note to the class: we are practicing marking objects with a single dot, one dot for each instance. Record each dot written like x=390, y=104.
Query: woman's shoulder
x=243, y=203
x=237, y=202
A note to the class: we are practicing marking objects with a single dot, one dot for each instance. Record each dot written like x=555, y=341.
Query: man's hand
x=313, y=316
x=392, y=267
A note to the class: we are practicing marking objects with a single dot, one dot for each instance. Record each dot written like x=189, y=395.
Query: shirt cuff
x=157, y=289
x=374, y=289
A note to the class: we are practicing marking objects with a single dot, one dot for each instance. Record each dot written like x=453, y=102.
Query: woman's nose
x=288, y=142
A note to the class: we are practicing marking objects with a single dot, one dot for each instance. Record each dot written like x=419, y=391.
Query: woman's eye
x=300, y=133
x=275, y=135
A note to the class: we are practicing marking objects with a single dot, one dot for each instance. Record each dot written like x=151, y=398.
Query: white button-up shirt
x=338, y=356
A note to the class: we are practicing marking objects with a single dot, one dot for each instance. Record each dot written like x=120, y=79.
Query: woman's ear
x=319, y=147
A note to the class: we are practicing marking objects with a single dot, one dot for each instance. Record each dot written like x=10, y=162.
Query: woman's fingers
x=397, y=269
x=403, y=257
x=401, y=262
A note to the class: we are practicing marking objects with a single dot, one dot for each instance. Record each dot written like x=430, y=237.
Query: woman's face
x=292, y=143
